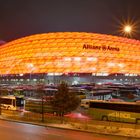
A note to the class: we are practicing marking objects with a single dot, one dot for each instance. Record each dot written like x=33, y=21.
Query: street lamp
x=31, y=68
x=127, y=29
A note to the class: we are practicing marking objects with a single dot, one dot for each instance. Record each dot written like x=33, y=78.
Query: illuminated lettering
x=104, y=48
x=91, y=47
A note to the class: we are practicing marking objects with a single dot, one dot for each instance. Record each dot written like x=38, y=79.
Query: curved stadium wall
x=70, y=52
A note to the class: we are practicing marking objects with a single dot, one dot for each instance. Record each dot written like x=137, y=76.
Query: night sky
x=19, y=18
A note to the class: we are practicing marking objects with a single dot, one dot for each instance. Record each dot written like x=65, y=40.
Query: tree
x=17, y=92
x=64, y=101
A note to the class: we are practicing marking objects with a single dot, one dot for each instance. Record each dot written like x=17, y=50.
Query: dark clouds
x=19, y=18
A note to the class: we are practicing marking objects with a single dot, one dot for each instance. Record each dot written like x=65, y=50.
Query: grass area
x=37, y=107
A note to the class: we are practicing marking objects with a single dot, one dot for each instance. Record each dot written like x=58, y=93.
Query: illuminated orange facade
x=65, y=52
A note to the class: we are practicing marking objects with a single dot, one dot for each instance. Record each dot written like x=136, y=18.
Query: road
x=20, y=131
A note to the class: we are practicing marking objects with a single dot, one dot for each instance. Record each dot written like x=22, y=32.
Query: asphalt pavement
x=21, y=131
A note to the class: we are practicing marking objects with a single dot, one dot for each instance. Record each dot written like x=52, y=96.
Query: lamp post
x=31, y=68
x=30, y=77
x=40, y=92
x=42, y=106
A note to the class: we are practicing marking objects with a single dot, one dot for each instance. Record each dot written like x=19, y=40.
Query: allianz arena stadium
x=77, y=57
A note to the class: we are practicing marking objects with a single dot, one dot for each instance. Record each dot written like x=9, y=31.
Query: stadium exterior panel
x=70, y=52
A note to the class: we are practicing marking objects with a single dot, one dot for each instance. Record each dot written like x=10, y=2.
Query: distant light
x=92, y=59
x=127, y=29
x=99, y=83
x=30, y=65
x=102, y=74
x=77, y=58
x=35, y=80
x=75, y=82
x=105, y=74
x=54, y=74
x=67, y=59
x=50, y=74
x=93, y=74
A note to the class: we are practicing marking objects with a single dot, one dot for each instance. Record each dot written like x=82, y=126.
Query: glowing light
x=74, y=82
x=91, y=59
x=105, y=74
x=99, y=83
x=30, y=65
x=56, y=74
x=77, y=58
x=67, y=59
x=127, y=29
